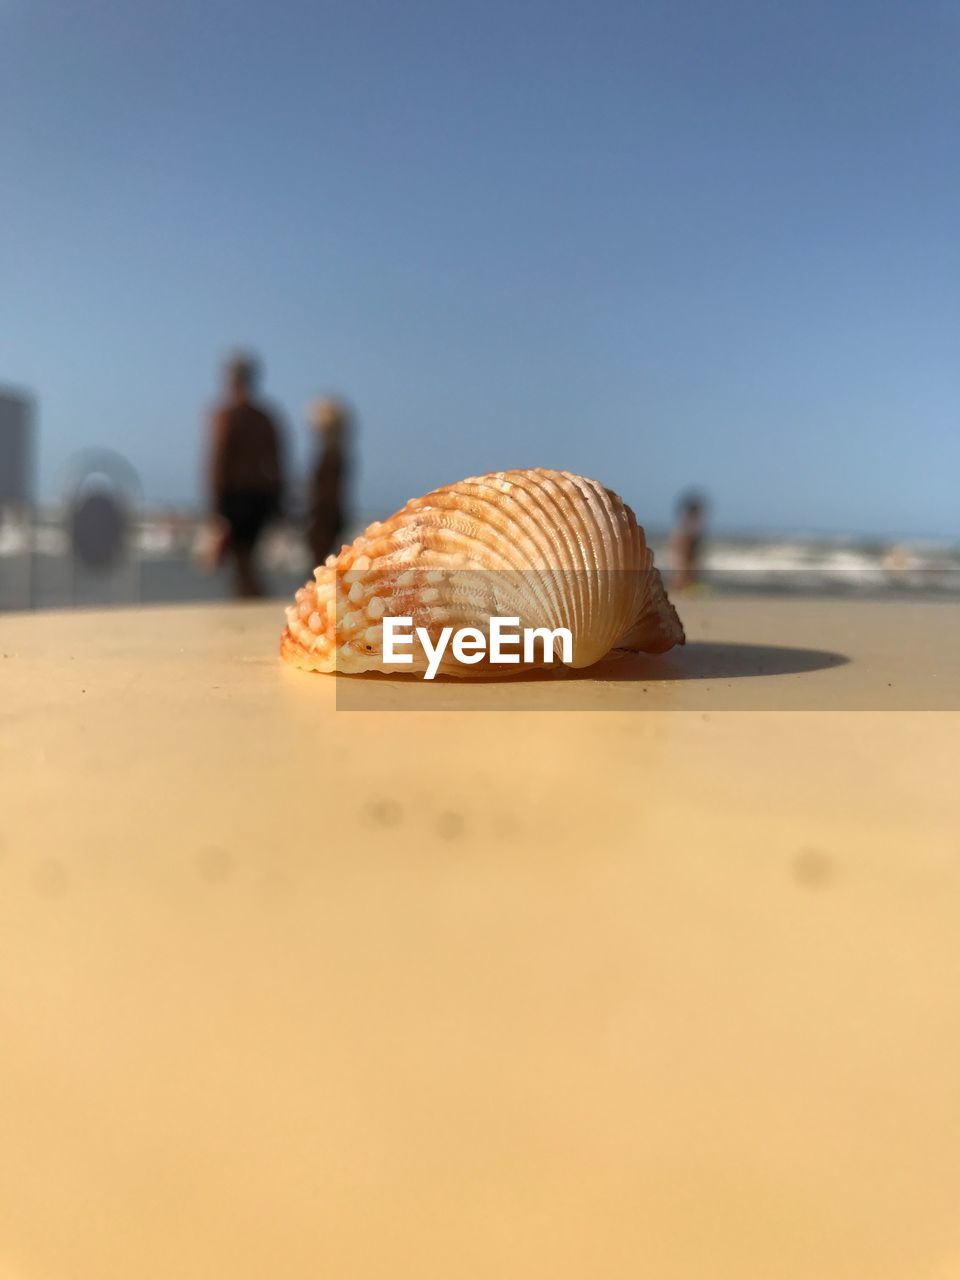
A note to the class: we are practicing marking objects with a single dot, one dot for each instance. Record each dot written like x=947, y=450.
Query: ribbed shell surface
x=553, y=548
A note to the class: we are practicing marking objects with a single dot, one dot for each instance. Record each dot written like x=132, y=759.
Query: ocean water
x=165, y=563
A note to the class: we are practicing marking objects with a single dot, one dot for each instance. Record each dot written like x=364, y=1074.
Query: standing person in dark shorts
x=246, y=477
x=686, y=542
x=330, y=420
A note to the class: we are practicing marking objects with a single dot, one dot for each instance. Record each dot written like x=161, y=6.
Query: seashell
x=552, y=548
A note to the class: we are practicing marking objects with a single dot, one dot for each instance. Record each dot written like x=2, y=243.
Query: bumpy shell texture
x=551, y=548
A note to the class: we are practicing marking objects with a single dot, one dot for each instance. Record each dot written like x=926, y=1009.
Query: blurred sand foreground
x=289, y=992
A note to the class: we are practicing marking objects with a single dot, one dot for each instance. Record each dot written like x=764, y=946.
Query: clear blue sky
x=659, y=243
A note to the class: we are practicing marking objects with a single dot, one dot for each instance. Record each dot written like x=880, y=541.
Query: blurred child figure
x=246, y=478
x=686, y=541
x=330, y=421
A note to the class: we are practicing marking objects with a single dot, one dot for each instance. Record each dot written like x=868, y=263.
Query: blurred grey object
x=16, y=499
x=103, y=502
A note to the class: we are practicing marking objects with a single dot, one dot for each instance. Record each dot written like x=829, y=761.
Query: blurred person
x=246, y=475
x=898, y=558
x=686, y=541
x=330, y=421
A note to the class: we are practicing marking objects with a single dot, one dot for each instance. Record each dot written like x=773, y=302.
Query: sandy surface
x=669, y=989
